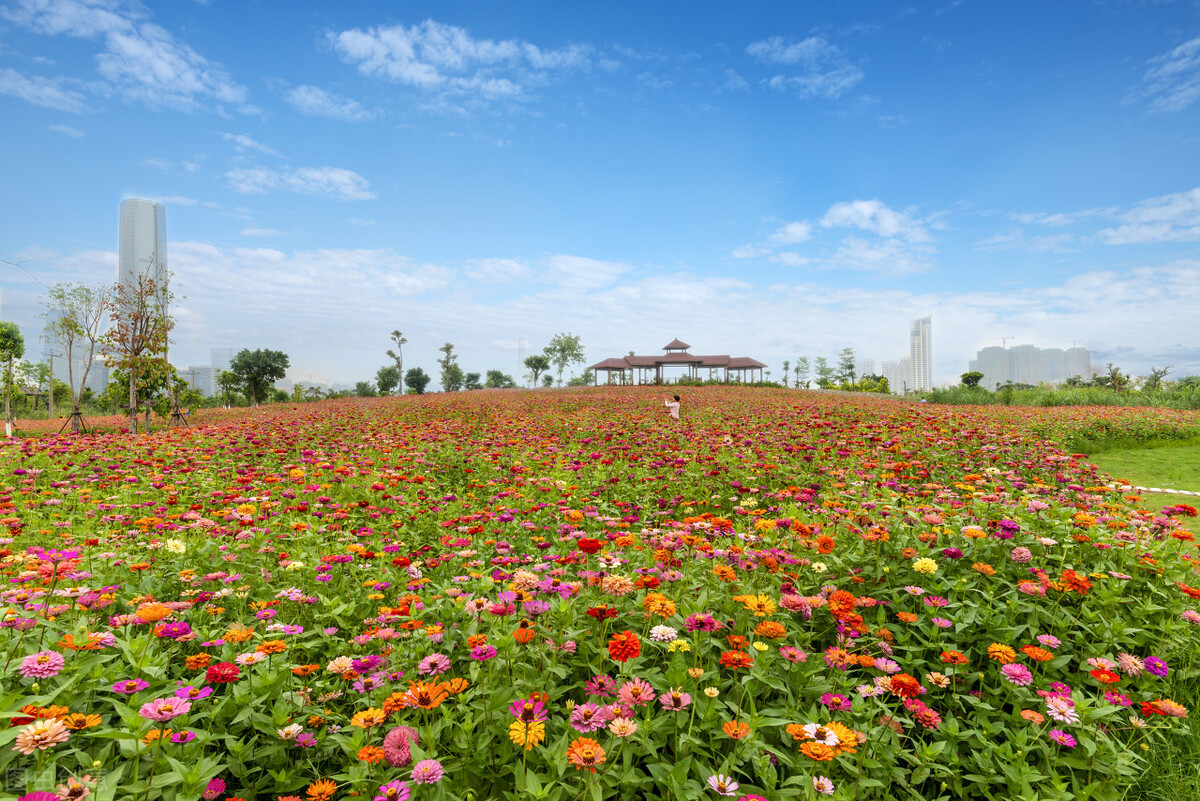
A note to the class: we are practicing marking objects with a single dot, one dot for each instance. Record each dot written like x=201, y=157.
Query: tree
x=417, y=379
x=1117, y=381
x=498, y=380
x=564, y=349
x=471, y=381
x=547, y=380
x=786, y=366
x=387, y=379
x=74, y=314
x=845, y=366
x=12, y=346
x=364, y=389
x=801, y=368
x=141, y=327
x=229, y=383
x=398, y=356
x=537, y=364
x=971, y=380
x=585, y=380
x=1154, y=380
x=452, y=374
x=825, y=373
x=258, y=370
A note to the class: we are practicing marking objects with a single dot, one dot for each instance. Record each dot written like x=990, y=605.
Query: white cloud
x=319, y=103
x=496, y=271
x=336, y=182
x=888, y=257
x=244, y=143
x=874, y=216
x=143, y=62
x=433, y=56
x=791, y=234
x=822, y=69
x=576, y=273
x=1172, y=82
x=1167, y=218
x=46, y=92
x=67, y=130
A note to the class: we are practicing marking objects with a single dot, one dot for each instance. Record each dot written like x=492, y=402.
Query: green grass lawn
x=1168, y=467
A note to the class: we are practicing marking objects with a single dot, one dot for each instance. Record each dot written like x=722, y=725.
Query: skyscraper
x=920, y=353
x=142, y=244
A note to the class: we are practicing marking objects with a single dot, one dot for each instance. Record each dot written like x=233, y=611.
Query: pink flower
x=42, y=665
x=823, y=785
x=165, y=709
x=1062, y=738
x=1017, y=674
x=636, y=692
x=722, y=785
x=215, y=788
x=427, y=771
x=396, y=746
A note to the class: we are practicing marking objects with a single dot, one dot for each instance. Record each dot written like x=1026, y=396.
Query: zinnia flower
x=42, y=665
x=1062, y=738
x=722, y=785
x=427, y=771
x=1017, y=674
x=40, y=736
x=165, y=709
x=624, y=646
x=585, y=754
x=823, y=785
x=393, y=791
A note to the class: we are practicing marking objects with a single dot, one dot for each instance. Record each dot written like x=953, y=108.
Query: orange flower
x=367, y=719
x=271, y=647
x=1037, y=654
x=736, y=729
x=737, y=642
x=984, y=568
x=1001, y=653
x=321, y=790
x=395, y=702
x=905, y=685
x=1073, y=582
x=825, y=544
x=197, y=661
x=68, y=643
x=426, y=695
x=770, y=630
x=237, y=634
x=624, y=646
x=818, y=752
x=456, y=686
x=78, y=722
x=725, y=573
x=524, y=633
x=906, y=617
x=841, y=603
x=370, y=754
x=305, y=670
x=954, y=657
x=585, y=754
x=736, y=659
x=152, y=613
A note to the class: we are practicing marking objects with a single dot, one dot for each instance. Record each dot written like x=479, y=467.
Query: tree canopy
x=564, y=349
x=537, y=364
x=397, y=356
x=258, y=370
x=387, y=378
x=417, y=379
x=74, y=314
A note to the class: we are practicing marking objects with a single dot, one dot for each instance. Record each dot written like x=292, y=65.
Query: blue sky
x=768, y=179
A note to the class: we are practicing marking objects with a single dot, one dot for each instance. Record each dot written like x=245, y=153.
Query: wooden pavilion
x=649, y=369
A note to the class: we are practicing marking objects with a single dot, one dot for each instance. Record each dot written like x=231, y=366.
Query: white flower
x=290, y=732
x=176, y=546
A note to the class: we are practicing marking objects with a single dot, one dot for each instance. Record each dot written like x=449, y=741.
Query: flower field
x=566, y=595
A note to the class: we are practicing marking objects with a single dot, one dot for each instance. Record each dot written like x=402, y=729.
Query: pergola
x=649, y=369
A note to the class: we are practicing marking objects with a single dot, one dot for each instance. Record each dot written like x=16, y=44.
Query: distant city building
x=1027, y=364
x=221, y=359
x=201, y=378
x=920, y=353
x=142, y=241
x=864, y=367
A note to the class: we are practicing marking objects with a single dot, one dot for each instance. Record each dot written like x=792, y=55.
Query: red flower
x=1105, y=676
x=602, y=612
x=590, y=545
x=905, y=686
x=736, y=659
x=624, y=646
x=222, y=673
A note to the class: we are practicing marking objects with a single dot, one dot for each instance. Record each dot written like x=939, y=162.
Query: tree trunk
x=75, y=414
x=132, y=399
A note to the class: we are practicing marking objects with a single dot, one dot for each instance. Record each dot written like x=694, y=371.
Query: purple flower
x=1156, y=666
x=183, y=737
x=173, y=631
x=483, y=652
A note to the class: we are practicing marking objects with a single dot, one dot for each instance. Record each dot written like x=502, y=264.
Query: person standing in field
x=673, y=408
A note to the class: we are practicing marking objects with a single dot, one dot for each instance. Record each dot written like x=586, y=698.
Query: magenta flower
x=434, y=663
x=635, y=692
x=527, y=710
x=130, y=687
x=392, y=791
x=587, y=717
x=1062, y=738
x=214, y=789
x=1155, y=666
x=836, y=703
x=190, y=693
x=483, y=652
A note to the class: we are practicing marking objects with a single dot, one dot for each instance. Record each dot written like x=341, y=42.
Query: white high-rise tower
x=920, y=353
x=142, y=244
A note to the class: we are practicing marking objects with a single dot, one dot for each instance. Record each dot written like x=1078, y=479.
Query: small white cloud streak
x=316, y=102
x=46, y=92
x=822, y=69
x=335, y=182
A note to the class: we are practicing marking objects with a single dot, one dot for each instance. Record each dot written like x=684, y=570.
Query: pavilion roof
x=676, y=344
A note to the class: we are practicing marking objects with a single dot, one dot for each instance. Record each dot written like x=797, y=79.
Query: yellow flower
x=679, y=645
x=925, y=565
x=819, y=567
x=528, y=733
x=711, y=692
x=760, y=646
